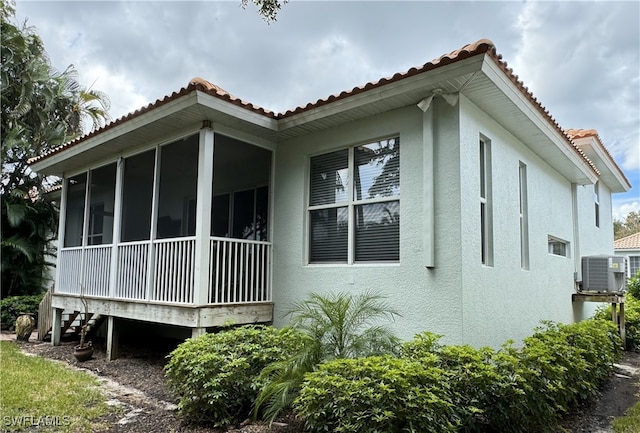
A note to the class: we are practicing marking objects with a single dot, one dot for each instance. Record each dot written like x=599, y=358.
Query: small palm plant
x=337, y=325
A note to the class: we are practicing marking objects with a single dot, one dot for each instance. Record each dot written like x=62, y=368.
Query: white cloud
x=621, y=210
x=582, y=60
x=114, y=83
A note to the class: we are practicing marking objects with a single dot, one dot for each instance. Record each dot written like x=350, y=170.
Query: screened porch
x=183, y=223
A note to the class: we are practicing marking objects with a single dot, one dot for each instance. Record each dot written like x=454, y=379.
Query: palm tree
x=40, y=109
x=337, y=325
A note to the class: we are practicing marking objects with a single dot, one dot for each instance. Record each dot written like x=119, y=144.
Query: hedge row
x=427, y=388
x=433, y=388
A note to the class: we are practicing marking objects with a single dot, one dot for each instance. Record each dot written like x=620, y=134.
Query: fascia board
x=604, y=163
x=117, y=131
x=506, y=86
x=237, y=112
x=244, y=136
x=424, y=80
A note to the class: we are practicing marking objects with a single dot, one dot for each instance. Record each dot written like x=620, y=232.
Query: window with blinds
x=354, y=204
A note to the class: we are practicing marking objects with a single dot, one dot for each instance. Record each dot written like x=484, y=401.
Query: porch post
x=117, y=224
x=61, y=230
x=56, y=327
x=203, y=214
x=112, y=339
x=151, y=266
x=82, y=290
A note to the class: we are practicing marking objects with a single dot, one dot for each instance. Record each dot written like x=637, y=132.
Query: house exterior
x=448, y=188
x=629, y=246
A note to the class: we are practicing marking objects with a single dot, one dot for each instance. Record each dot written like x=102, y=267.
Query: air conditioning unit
x=603, y=274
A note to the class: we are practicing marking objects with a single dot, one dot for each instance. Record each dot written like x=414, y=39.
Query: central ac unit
x=603, y=274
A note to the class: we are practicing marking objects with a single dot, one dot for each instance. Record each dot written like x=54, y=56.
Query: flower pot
x=83, y=353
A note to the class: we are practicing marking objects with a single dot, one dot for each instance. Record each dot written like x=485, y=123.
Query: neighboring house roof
x=631, y=242
x=290, y=121
x=590, y=143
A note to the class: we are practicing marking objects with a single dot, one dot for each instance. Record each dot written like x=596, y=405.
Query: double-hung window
x=354, y=204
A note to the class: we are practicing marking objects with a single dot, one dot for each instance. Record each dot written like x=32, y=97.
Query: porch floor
x=190, y=316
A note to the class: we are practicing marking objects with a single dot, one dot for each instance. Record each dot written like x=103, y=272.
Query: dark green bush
x=633, y=285
x=489, y=388
x=216, y=376
x=632, y=320
x=377, y=394
x=13, y=306
x=476, y=390
x=564, y=365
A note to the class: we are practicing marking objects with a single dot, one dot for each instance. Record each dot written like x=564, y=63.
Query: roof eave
x=187, y=112
x=394, y=94
x=611, y=174
x=550, y=144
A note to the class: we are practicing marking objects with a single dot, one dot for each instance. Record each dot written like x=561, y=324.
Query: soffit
x=495, y=93
x=387, y=97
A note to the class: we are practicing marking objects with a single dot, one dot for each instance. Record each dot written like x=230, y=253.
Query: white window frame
x=524, y=216
x=596, y=199
x=555, y=242
x=486, y=202
x=350, y=204
x=633, y=264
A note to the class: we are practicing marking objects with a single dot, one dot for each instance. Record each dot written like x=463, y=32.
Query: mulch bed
x=146, y=405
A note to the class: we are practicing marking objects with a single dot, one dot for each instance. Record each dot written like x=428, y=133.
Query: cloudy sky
x=580, y=59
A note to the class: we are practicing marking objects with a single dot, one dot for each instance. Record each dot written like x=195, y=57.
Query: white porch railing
x=70, y=270
x=164, y=271
x=174, y=270
x=97, y=263
x=85, y=267
x=239, y=271
x=133, y=267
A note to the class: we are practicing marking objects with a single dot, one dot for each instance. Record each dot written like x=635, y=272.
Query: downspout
x=577, y=274
x=428, y=183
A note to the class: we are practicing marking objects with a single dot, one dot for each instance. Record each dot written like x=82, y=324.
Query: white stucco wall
x=594, y=240
x=504, y=301
x=460, y=298
x=429, y=299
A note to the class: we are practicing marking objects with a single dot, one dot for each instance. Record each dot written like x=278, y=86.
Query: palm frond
x=21, y=245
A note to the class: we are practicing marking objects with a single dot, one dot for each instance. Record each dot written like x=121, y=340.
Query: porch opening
x=138, y=241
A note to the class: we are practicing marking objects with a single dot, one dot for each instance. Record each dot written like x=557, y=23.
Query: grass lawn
x=630, y=423
x=40, y=394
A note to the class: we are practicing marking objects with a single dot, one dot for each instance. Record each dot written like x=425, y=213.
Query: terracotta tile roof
x=479, y=47
x=217, y=91
x=581, y=133
x=630, y=242
x=482, y=46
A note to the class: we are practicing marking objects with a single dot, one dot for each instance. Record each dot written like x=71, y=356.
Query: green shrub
x=216, y=376
x=13, y=306
x=492, y=387
x=335, y=325
x=563, y=366
x=632, y=320
x=633, y=285
x=434, y=388
x=377, y=394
